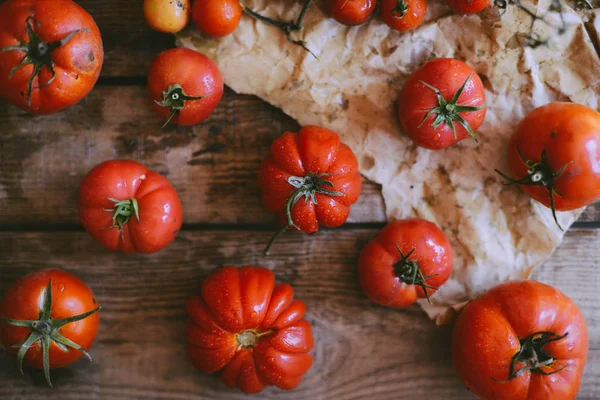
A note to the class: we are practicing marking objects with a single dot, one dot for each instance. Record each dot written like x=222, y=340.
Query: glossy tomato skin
x=70, y=296
x=413, y=17
x=415, y=100
x=351, y=12
x=77, y=63
x=198, y=76
x=169, y=16
x=486, y=337
x=313, y=150
x=432, y=252
x=217, y=17
x=468, y=6
x=234, y=302
x=568, y=133
x=159, y=207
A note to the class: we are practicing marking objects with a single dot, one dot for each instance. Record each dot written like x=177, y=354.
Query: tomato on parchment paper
x=554, y=156
x=351, y=12
x=250, y=330
x=403, y=15
x=48, y=319
x=409, y=259
x=127, y=207
x=441, y=104
x=309, y=179
x=217, y=17
x=50, y=54
x=521, y=340
x=184, y=86
x=169, y=16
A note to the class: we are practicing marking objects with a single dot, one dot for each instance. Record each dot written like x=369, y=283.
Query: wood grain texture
x=363, y=351
x=213, y=165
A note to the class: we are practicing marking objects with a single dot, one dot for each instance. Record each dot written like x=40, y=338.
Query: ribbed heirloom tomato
x=50, y=54
x=49, y=319
x=409, y=259
x=250, y=330
x=441, y=104
x=522, y=340
x=309, y=179
x=554, y=156
x=127, y=207
x=184, y=86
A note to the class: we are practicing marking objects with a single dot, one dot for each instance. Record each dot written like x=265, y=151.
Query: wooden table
x=362, y=351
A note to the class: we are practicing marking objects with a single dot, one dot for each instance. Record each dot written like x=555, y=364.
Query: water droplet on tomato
x=61, y=288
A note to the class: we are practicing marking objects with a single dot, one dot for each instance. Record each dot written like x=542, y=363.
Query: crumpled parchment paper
x=497, y=233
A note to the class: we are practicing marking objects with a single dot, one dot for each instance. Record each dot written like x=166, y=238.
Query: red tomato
x=169, y=16
x=403, y=260
x=403, y=15
x=441, y=104
x=249, y=329
x=351, y=12
x=125, y=206
x=309, y=179
x=50, y=54
x=521, y=340
x=559, y=160
x=217, y=17
x=185, y=86
x=468, y=6
x=48, y=319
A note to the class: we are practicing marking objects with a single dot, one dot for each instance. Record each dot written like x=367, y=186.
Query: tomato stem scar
x=408, y=271
x=174, y=97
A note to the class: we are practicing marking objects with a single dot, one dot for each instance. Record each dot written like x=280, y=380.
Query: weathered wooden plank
x=363, y=351
x=213, y=165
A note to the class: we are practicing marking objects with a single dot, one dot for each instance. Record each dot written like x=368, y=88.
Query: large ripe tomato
x=250, y=330
x=522, y=340
x=184, y=86
x=125, y=206
x=554, y=156
x=351, y=12
x=48, y=319
x=50, y=54
x=169, y=16
x=409, y=259
x=441, y=104
x=468, y=6
x=309, y=179
x=217, y=17
x=403, y=15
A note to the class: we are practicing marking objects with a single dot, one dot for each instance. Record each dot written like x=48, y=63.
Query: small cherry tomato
x=50, y=54
x=409, y=259
x=522, y=340
x=169, y=16
x=250, y=329
x=125, y=206
x=184, y=86
x=403, y=15
x=554, y=156
x=48, y=319
x=309, y=179
x=441, y=104
x=468, y=6
x=351, y=12
x=217, y=17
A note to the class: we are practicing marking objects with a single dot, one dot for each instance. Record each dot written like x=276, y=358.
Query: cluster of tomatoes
x=519, y=338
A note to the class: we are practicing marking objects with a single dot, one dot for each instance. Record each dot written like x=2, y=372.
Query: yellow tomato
x=167, y=15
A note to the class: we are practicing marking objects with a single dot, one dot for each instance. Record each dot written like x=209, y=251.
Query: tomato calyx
x=122, y=213
x=308, y=187
x=287, y=27
x=408, y=271
x=539, y=173
x=37, y=53
x=45, y=330
x=532, y=355
x=449, y=111
x=400, y=10
x=174, y=97
x=249, y=338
